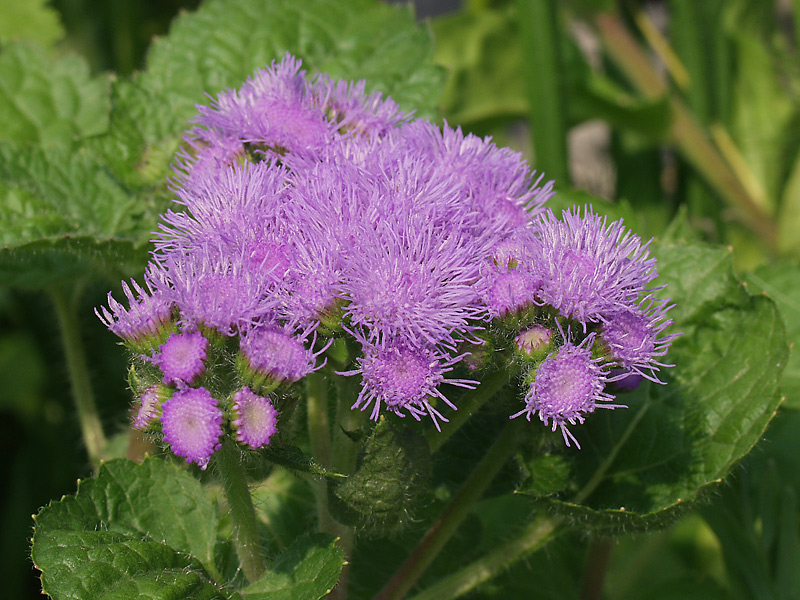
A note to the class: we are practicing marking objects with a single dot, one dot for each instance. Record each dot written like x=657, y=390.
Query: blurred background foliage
x=684, y=113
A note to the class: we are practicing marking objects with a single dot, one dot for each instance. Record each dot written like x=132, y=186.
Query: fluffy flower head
x=182, y=357
x=192, y=425
x=590, y=268
x=255, y=418
x=568, y=385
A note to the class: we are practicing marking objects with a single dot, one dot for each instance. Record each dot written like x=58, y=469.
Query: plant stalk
x=438, y=535
x=543, y=75
x=319, y=435
x=91, y=426
x=540, y=531
x=243, y=513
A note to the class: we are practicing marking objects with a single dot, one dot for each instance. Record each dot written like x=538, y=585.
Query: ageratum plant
x=368, y=352
x=313, y=212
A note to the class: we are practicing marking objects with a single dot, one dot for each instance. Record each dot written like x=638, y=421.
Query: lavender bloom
x=350, y=108
x=275, y=109
x=590, y=268
x=255, y=418
x=568, y=385
x=148, y=314
x=182, y=357
x=274, y=354
x=403, y=377
x=498, y=180
x=505, y=291
x=192, y=425
x=633, y=339
x=412, y=283
x=149, y=407
x=216, y=289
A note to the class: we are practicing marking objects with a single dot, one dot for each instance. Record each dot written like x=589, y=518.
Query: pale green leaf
x=31, y=20
x=308, y=570
x=50, y=102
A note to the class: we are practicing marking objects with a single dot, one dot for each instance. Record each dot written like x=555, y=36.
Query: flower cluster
x=308, y=209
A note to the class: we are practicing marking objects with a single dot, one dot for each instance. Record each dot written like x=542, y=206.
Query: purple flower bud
x=568, y=385
x=534, y=343
x=182, y=357
x=192, y=425
x=150, y=407
x=255, y=418
x=147, y=317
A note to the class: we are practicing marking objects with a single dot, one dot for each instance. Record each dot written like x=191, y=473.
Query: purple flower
x=505, y=291
x=192, y=425
x=277, y=355
x=402, y=377
x=414, y=283
x=590, y=268
x=217, y=289
x=275, y=110
x=182, y=357
x=148, y=315
x=149, y=407
x=255, y=418
x=351, y=109
x=633, y=338
x=534, y=341
x=568, y=385
x=499, y=182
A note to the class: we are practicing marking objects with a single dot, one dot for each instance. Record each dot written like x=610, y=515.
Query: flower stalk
x=243, y=513
x=437, y=536
x=91, y=426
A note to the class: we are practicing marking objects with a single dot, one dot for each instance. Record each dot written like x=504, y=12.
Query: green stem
x=91, y=426
x=540, y=531
x=437, y=536
x=544, y=83
x=345, y=453
x=243, y=514
x=319, y=435
x=470, y=404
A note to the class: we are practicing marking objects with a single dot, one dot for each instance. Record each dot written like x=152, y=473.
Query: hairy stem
x=345, y=451
x=536, y=535
x=540, y=531
x=91, y=426
x=470, y=404
x=437, y=536
x=319, y=435
x=243, y=514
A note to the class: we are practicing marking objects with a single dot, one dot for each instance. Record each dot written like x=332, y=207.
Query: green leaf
x=781, y=282
x=391, y=476
x=32, y=20
x=53, y=103
x=308, y=570
x=64, y=216
x=134, y=531
x=639, y=467
x=294, y=459
x=484, y=60
x=599, y=97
